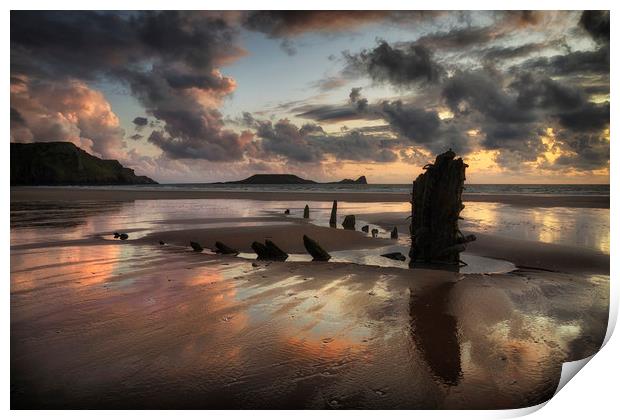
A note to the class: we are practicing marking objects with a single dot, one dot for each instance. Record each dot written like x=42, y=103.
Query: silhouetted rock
x=349, y=222
x=306, y=212
x=63, y=163
x=162, y=243
x=395, y=256
x=123, y=236
x=374, y=233
x=196, y=246
x=394, y=234
x=333, y=217
x=287, y=211
x=314, y=249
x=116, y=235
x=365, y=228
x=221, y=248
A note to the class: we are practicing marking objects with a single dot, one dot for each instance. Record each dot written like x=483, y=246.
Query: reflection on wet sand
x=435, y=333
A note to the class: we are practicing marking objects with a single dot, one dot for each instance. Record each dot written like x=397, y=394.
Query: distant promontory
x=263, y=179
x=63, y=163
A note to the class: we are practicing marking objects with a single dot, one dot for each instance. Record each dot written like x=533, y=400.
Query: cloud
x=310, y=144
x=140, y=123
x=329, y=83
x=289, y=23
x=67, y=111
x=459, y=38
x=169, y=60
x=405, y=66
x=596, y=23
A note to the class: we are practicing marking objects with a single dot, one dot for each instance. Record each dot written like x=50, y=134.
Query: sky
x=204, y=96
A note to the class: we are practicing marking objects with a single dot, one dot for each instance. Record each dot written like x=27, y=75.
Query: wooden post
x=435, y=207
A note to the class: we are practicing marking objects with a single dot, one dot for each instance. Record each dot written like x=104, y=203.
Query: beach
x=101, y=323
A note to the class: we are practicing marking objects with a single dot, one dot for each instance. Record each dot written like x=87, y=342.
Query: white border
x=591, y=395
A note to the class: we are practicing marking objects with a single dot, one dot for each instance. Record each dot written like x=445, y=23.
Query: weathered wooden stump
x=269, y=251
x=306, y=212
x=222, y=248
x=333, y=216
x=349, y=222
x=436, y=204
x=314, y=249
x=196, y=246
x=394, y=233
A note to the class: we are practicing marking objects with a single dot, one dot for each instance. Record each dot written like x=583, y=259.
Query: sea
x=518, y=189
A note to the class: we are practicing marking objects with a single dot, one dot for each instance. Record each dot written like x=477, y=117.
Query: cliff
x=63, y=163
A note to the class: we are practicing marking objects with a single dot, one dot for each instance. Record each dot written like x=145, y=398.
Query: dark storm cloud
x=414, y=123
x=479, y=91
x=168, y=59
x=588, y=117
x=404, y=66
x=140, y=121
x=578, y=62
x=596, y=22
x=285, y=139
x=310, y=144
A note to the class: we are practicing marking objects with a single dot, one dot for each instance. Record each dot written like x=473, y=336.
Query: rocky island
x=263, y=179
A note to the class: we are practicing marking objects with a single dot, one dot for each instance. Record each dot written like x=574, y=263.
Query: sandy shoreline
x=76, y=194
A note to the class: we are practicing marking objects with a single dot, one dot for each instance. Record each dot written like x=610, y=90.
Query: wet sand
x=102, y=323
x=74, y=194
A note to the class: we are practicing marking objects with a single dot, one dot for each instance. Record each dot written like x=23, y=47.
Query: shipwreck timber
x=436, y=241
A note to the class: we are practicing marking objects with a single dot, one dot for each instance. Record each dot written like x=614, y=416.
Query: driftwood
x=269, y=251
x=306, y=212
x=394, y=234
x=314, y=249
x=221, y=248
x=349, y=222
x=365, y=228
x=436, y=205
x=196, y=246
x=333, y=216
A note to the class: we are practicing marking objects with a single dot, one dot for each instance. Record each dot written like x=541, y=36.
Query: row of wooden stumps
x=348, y=222
x=267, y=251
x=436, y=204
